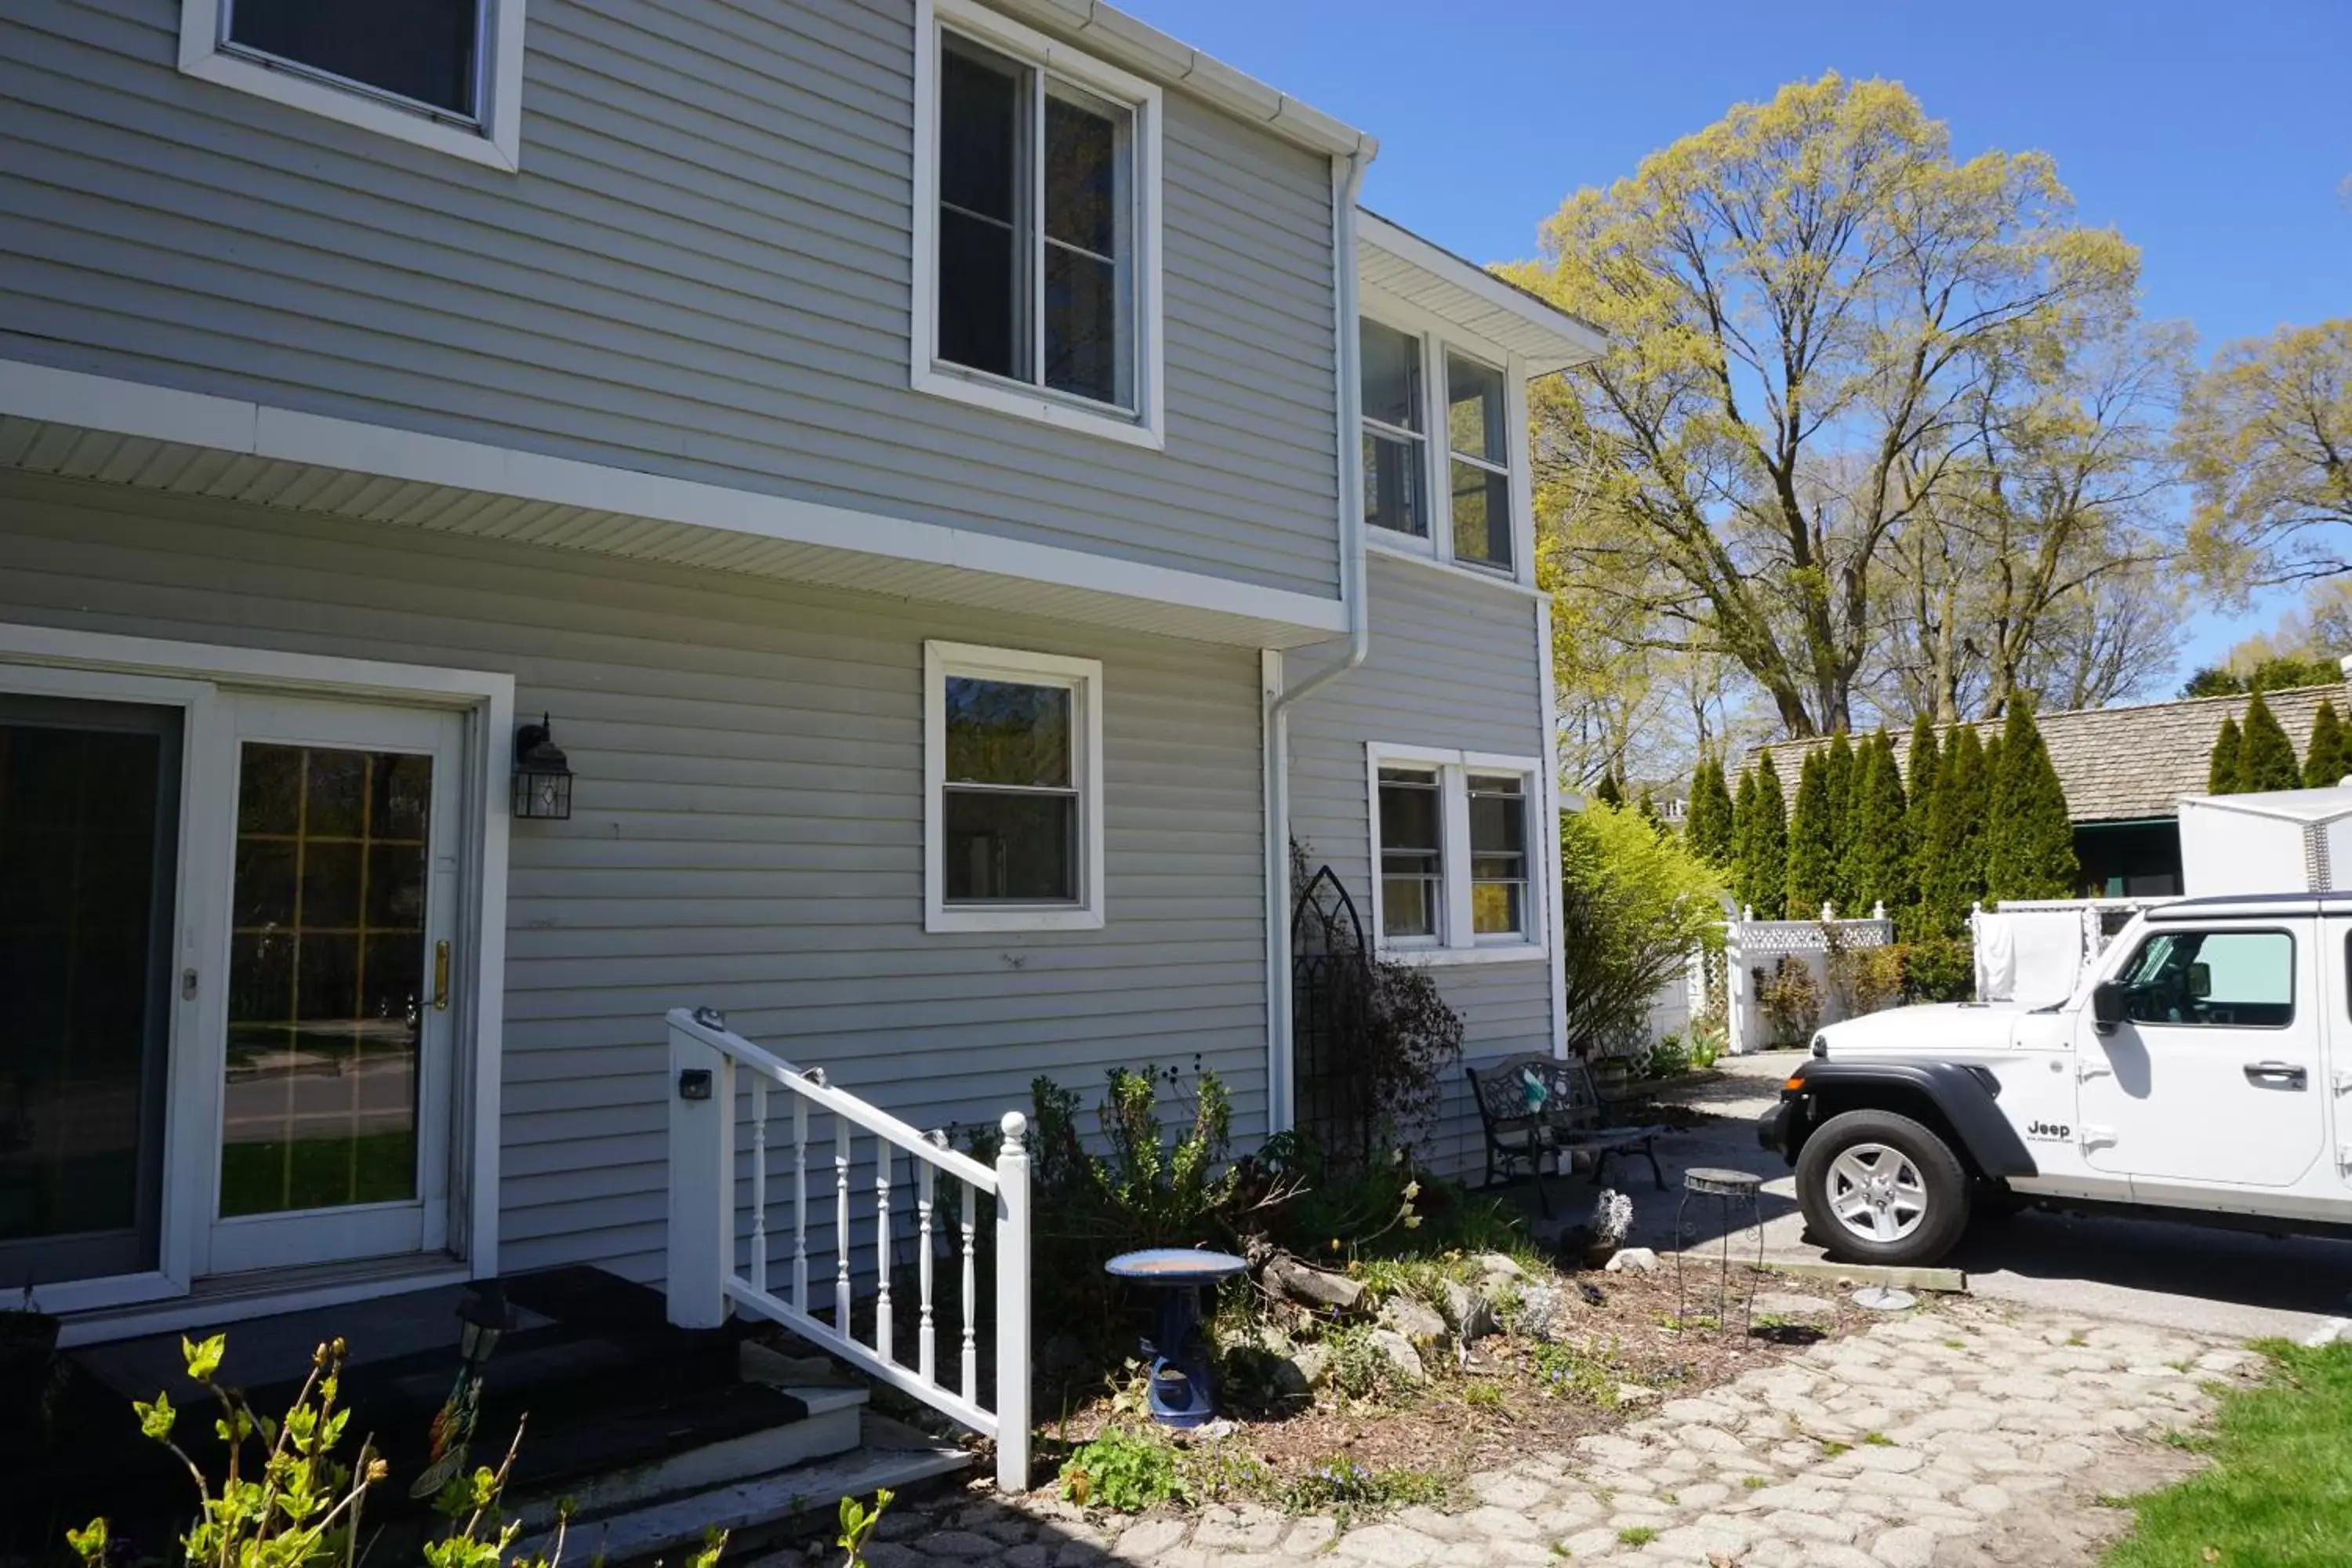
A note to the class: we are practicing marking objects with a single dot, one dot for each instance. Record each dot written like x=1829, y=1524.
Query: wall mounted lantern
x=542, y=774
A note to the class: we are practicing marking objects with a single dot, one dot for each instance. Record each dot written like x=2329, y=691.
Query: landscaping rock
x=1502, y=1265
x=1289, y=1277
x=1415, y=1321
x=1473, y=1313
x=1637, y=1259
x=1311, y=1362
x=1399, y=1354
x=1532, y=1315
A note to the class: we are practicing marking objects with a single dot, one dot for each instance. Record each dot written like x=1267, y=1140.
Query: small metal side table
x=1729, y=1189
x=1182, y=1392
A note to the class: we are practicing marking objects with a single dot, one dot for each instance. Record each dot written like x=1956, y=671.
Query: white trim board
x=1191, y=602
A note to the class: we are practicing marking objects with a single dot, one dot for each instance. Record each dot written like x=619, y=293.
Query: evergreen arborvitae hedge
x=2329, y=757
x=1926, y=763
x=1760, y=837
x=2267, y=761
x=1813, y=840
x=2029, y=838
x=1877, y=855
x=1841, y=778
x=1609, y=792
x=2228, y=748
x=1708, y=829
x=1952, y=870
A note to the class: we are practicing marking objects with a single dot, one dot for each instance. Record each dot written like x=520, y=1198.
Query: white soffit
x=1399, y=263
x=73, y=426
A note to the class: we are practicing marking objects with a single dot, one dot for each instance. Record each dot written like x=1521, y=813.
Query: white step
x=831, y=1427
x=810, y=1492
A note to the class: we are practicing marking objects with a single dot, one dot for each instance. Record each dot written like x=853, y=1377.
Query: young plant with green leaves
x=1634, y=905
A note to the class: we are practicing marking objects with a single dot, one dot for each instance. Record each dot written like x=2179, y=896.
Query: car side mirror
x=2107, y=1006
x=2200, y=980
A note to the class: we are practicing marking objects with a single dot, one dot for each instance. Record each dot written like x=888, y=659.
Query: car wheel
x=1876, y=1187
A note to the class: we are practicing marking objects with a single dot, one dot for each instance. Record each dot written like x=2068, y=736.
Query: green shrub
x=1635, y=904
x=1126, y=1470
x=1669, y=1058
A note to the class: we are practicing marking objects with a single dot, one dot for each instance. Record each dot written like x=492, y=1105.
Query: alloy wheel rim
x=1877, y=1193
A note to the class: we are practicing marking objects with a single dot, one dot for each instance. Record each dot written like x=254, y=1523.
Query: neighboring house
x=912, y=453
x=2123, y=769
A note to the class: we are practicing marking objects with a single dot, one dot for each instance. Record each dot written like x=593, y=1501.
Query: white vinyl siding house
x=595, y=379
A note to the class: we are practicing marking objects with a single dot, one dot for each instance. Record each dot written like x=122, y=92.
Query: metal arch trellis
x=1333, y=1095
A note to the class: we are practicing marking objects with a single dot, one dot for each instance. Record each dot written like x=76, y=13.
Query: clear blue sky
x=2215, y=134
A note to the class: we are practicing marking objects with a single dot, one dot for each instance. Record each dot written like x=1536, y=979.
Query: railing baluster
x=841, y=1226
x=800, y=1203
x=926, y=1176
x=882, y=1248
x=971, y=1317
x=758, y=1183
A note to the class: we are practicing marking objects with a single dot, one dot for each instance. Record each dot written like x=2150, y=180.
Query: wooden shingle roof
x=2119, y=764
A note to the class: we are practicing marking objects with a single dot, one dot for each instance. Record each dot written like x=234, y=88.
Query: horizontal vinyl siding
x=747, y=830
x=1452, y=665
x=702, y=270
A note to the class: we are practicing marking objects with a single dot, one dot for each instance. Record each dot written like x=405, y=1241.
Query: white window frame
x=1456, y=941
x=1083, y=679
x=1145, y=426
x=493, y=138
x=1438, y=339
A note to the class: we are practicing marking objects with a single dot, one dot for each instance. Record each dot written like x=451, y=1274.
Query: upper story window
x=1451, y=836
x=1458, y=504
x=1036, y=280
x=1012, y=808
x=444, y=73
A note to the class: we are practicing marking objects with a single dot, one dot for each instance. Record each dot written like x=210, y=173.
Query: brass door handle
x=441, y=977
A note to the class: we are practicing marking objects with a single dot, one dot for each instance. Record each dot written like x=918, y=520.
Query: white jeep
x=2201, y=1070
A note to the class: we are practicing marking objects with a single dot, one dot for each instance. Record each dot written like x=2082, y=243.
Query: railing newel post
x=701, y=1231
x=1013, y=1217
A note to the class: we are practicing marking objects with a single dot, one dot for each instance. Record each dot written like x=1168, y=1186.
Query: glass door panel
x=334, y=1022
x=88, y=851
x=328, y=973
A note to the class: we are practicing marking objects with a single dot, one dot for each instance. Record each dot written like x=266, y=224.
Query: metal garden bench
x=1537, y=1107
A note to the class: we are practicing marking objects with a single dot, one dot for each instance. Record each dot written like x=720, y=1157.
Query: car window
x=2223, y=979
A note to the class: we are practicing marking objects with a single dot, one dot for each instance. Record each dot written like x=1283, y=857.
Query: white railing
x=709, y=1068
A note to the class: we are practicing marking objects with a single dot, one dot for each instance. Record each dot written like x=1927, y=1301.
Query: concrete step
x=803, y=1499
x=695, y=1457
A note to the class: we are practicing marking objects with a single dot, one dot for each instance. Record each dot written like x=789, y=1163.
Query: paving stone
x=1389, y=1546
x=1142, y=1542
x=957, y=1546
x=1907, y=1546
x=1503, y=1490
x=1309, y=1536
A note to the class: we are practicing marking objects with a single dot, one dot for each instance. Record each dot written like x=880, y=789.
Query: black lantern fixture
x=542, y=774
x=482, y=1317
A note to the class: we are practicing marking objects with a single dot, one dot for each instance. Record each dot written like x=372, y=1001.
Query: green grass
x=1636, y=1535
x=1755, y=1483
x=2279, y=1491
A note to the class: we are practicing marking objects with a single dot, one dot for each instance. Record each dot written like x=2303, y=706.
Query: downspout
x=1347, y=184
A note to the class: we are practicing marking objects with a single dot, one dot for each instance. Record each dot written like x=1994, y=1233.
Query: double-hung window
x=1455, y=503
x=1396, y=447
x=1452, y=836
x=1012, y=773
x=1036, y=288
x=444, y=73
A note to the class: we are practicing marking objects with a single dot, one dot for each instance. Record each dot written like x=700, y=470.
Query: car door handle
x=2286, y=1073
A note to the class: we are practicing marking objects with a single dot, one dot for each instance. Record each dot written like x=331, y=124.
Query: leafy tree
x=1813, y=840
x=1799, y=300
x=2274, y=673
x=2267, y=759
x=2266, y=436
x=1710, y=824
x=1634, y=905
x=1955, y=863
x=2329, y=757
x=1878, y=855
x=2228, y=752
x=2029, y=837
x=1760, y=841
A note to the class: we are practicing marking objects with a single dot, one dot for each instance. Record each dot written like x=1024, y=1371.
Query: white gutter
x=1347, y=182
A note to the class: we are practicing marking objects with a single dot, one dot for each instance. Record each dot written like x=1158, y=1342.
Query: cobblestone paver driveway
x=1876, y=1451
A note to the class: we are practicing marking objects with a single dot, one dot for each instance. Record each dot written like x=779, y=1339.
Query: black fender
x=1962, y=1095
